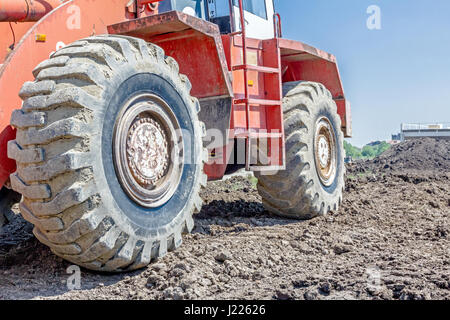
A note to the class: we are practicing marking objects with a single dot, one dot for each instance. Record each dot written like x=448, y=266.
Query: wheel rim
x=148, y=150
x=325, y=151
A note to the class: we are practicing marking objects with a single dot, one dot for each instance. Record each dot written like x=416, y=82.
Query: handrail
x=246, y=91
x=277, y=25
x=233, y=22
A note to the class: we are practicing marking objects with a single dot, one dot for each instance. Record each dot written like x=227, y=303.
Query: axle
x=26, y=10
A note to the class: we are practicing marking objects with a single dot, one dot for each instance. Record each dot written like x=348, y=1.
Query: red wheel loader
x=114, y=114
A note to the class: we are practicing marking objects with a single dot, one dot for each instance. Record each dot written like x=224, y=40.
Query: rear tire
x=306, y=189
x=68, y=153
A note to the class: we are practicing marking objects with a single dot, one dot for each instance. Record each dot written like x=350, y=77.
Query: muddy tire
x=313, y=181
x=92, y=194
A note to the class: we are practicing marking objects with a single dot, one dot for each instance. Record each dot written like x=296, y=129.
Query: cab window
x=257, y=7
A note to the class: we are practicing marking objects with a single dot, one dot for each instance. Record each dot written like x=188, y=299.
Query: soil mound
x=427, y=155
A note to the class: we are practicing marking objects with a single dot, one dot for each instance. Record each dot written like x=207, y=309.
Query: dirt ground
x=389, y=240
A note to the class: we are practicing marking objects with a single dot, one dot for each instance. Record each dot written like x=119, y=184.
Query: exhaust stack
x=26, y=10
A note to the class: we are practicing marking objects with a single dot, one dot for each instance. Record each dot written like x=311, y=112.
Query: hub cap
x=148, y=155
x=148, y=151
x=325, y=151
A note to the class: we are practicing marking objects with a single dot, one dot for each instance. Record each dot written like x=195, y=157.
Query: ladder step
x=261, y=102
x=254, y=135
x=236, y=33
x=256, y=68
x=267, y=168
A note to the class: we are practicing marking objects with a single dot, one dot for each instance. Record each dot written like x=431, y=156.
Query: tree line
x=369, y=151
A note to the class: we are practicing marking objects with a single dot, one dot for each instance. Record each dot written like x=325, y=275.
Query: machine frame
x=232, y=75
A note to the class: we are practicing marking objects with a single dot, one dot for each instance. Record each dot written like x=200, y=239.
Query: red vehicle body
x=213, y=62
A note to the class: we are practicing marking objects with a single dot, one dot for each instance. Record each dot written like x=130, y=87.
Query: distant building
x=393, y=142
x=422, y=130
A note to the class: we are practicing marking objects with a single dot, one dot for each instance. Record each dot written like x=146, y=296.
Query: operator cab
x=258, y=14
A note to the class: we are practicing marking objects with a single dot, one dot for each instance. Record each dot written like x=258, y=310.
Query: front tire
x=313, y=181
x=109, y=153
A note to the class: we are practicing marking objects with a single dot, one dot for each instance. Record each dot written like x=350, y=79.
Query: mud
x=389, y=240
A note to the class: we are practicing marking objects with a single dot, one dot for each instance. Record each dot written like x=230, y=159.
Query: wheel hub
x=148, y=150
x=325, y=151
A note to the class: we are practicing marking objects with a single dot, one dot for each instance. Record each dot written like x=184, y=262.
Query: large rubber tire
x=64, y=153
x=298, y=192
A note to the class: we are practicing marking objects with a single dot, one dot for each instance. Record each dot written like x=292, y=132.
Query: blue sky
x=400, y=73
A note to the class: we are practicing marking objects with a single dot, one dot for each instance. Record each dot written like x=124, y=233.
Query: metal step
x=267, y=168
x=254, y=135
x=236, y=33
x=261, y=102
x=256, y=68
